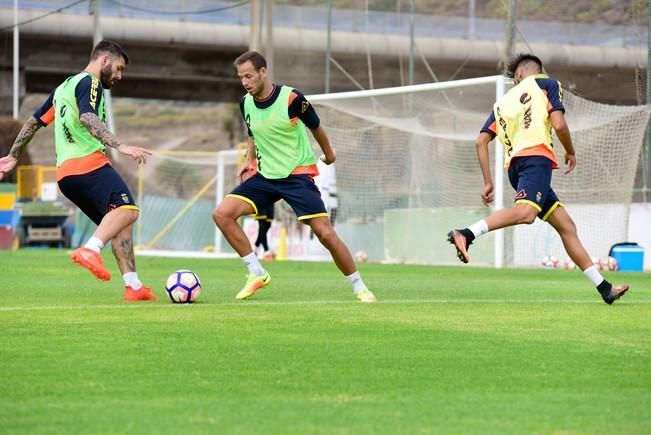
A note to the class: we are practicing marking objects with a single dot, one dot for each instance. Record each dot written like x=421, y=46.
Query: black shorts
x=97, y=192
x=299, y=191
x=531, y=177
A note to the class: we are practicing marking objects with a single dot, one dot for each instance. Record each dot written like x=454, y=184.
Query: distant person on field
x=265, y=219
x=523, y=119
x=277, y=117
x=84, y=173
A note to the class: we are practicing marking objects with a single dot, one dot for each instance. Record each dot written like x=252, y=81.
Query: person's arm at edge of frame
x=23, y=139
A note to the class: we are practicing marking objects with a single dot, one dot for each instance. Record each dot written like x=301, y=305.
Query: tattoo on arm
x=97, y=128
x=24, y=137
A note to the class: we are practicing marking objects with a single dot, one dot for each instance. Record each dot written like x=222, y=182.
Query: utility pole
x=108, y=101
x=269, y=45
x=471, y=19
x=412, y=42
x=509, y=35
x=329, y=47
x=16, y=68
x=254, y=32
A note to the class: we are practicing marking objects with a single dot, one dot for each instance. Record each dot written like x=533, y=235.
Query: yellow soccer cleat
x=365, y=296
x=253, y=284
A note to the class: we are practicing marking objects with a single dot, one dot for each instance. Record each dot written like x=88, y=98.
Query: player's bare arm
x=97, y=128
x=320, y=136
x=248, y=169
x=484, y=162
x=563, y=133
x=25, y=135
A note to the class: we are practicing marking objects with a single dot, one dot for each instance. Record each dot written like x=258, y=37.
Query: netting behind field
x=598, y=194
x=176, y=193
x=407, y=173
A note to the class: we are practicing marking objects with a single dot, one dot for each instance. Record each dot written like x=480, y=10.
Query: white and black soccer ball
x=361, y=257
x=612, y=264
x=183, y=287
x=549, y=262
x=569, y=264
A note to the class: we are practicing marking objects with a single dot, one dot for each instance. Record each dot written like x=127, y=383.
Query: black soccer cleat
x=616, y=292
x=461, y=244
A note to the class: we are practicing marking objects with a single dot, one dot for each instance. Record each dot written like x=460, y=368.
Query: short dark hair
x=106, y=46
x=523, y=58
x=257, y=60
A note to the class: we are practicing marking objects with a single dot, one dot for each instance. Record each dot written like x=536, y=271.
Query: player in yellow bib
x=523, y=119
x=280, y=164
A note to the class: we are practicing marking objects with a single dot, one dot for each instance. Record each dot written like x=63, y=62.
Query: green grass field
x=447, y=350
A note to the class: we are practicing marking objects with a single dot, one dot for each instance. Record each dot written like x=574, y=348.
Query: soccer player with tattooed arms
x=84, y=173
x=523, y=120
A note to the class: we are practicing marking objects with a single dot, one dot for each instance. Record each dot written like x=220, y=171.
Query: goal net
x=407, y=173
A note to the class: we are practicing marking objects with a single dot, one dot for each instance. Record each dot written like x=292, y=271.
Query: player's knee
x=527, y=214
x=218, y=217
x=327, y=236
x=132, y=215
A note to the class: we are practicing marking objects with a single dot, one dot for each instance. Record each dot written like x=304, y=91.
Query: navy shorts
x=299, y=191
x=531, y=177
x=97, y=192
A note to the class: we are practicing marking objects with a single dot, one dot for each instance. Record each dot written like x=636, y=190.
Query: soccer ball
x=361, y=257
x=599, y=264
x=569, y=264
x=611, y=263
x=549, y=262
x=183, y=287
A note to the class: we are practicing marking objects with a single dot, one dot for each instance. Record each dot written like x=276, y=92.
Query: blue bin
x=630, y=257
x=10, y=217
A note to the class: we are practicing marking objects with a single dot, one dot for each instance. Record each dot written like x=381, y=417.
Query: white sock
x=356, y=281
x=593, y=275
x=253, y=264
x=131, y=279
x=94, y=244
x=479, y=228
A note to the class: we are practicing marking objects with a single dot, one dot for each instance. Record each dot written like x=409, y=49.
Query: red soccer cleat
x=144, y=294
x=92, y=261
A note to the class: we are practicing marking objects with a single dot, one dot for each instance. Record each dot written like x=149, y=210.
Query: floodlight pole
x=471, y=19
x=412, y=43
x=329, y=47
x=16, y=69
x=509, y=36
x=269, y=45
x=108, y=102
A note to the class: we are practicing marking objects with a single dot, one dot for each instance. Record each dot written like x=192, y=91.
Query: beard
x=105, y=76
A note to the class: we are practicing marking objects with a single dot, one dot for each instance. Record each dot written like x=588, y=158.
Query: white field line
x=307, y=303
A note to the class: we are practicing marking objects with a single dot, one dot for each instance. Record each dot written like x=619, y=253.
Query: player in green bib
x=280, y=164
x=84, y=173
